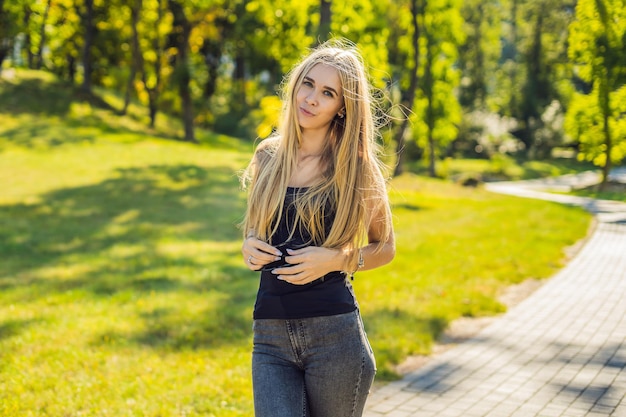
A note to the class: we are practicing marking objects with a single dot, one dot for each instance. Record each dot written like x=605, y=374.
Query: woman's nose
x=311, y=98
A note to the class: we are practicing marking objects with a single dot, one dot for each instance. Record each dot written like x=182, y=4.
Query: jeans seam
x=304, y=403
x=294, y=343
x=358, y=382
x=303, y=338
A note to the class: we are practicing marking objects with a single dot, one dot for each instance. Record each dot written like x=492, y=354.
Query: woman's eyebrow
x=326, y=87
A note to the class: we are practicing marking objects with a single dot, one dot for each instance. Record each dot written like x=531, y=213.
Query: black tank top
x=329, y=295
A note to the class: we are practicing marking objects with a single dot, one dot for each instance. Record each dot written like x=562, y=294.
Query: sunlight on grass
x=501, y=167
x=121, y=281
x=612, y=191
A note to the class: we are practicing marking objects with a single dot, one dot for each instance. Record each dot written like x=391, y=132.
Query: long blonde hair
x=352, y=183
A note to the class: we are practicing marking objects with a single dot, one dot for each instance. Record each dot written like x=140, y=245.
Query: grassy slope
x=613, y=191
x=122, y=291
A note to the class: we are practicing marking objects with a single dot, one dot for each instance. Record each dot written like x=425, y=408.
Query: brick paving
x=559, y=353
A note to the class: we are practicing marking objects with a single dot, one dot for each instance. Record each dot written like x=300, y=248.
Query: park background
x=124, y=124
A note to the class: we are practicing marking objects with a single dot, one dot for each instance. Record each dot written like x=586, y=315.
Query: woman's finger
x=261, y=252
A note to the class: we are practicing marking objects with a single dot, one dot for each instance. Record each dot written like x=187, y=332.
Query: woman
x=317, y=212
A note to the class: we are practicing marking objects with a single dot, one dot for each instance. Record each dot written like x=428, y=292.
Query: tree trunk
x=42, y=36
x=4, y=52
x=87, y=18
x=428, y=92
x=153, y=91
x=481, y=83
x=153, y=107
x=432, y=171
x=409, y=95
x=323, y=33
x=185, y=95
x=136, y=56
x=181, y=28
x=71, y=68
x=212, y=52
x=605, y=105
x=4, y=46
x=531, y=113
x=27, y=37
x=239, y=86
x=513, y=72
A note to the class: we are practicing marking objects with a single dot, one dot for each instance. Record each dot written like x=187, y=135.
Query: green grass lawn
x=612, y=191
x=122, y=288
x=501, y=167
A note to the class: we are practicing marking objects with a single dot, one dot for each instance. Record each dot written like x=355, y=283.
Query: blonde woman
x=317, y=212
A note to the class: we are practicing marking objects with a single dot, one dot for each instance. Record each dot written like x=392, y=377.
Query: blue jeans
x=313, y=367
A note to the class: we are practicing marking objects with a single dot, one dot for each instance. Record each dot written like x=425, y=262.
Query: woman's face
x=319, y=98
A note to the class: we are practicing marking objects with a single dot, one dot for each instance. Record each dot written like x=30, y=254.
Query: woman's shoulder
x=267, y=148
x=268, y=144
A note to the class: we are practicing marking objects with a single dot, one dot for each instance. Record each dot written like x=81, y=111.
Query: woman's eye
x=307, y=83
x=328, y=93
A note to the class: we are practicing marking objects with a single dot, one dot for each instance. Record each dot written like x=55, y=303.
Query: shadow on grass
x=214, y=325
x=42, y=134
x=139, y=205
x=406, y=206
x=218, y=324
x=48, y=102
x=48, y=121
x=36, y=96
x=13, y=327
x=119, y=232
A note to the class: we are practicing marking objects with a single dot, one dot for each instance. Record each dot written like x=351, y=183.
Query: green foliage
x=597, y=47
x=534, y=70
x=12, y=16
x=509, y=58
x=282, y=35
x=267, y=115
x=438, y=112
x=362, y=22
x=585, y=122
x=505, y=58
x=477, y=57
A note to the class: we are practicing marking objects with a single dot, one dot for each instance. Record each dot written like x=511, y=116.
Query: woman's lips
x=306, y=112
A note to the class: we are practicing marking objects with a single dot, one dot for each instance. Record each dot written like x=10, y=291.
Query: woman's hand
x=309, y=264
x=257, y=253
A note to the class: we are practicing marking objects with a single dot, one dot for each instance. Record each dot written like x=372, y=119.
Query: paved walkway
x=561, y=352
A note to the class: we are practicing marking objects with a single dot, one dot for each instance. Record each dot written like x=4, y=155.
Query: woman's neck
x=313, y=143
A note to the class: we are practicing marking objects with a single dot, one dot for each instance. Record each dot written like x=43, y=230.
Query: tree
x=597, y=119
x=323, y=32
x=87, y=17
x=151, y=55
x=181, y=31
x=136, y=56
x=7, y=31
x=397, y=58
x=285, y=29
x=64, y=39
x=439, y=111
x=479, y=54
x=42, y=35
x=534, y=61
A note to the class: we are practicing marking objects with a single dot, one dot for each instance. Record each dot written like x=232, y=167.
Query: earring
x=341, y=115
